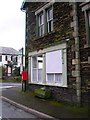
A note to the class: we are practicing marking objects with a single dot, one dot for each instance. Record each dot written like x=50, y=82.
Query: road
x=9, y=85
x=10, y=111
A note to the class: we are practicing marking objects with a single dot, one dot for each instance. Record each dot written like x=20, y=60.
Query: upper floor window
x=40, y=24
x=86, y=8
x=0, y=58
x=44, y=19
x=50, y=20
x=89, y=27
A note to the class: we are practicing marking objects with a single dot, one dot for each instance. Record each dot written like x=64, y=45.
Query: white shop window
x=37, y=67
x=56, y=68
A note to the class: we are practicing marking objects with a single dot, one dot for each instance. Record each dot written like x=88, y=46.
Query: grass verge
x=83, y=110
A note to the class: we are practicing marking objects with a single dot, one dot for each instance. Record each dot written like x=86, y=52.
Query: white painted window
x=54, y=78
x=37, y=68
x=89, y=27
x=56, y=68
x=58, y=77
x=49, y=67
x=89, y=17
x=0, y=58
x=40, y=24
x=50, y=20
x=54, y=62
x=45, y=20
x=50, y=78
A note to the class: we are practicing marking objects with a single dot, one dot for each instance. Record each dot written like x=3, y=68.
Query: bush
x=17, y=79
x=16, y=72
x=42, y=93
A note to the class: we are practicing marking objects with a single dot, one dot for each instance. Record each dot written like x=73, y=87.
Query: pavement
x=40, y=107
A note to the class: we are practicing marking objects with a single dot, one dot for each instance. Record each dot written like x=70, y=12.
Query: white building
x=9, y=56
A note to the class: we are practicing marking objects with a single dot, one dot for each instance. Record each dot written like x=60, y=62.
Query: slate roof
x=8, y=51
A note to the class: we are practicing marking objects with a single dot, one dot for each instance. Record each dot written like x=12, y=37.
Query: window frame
x=86, y=8
x=49, y=20
x=0, y=58
x=40, y=24
x=36, y=78
x=88, y=19
x=45, y=28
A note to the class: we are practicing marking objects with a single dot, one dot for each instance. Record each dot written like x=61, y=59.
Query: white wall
x=3, y=60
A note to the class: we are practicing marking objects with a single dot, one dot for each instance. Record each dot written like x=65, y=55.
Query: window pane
x=51, y=25
x=34, y=62
x=89, y=27
x=89, y=17
x=40, y=77
x=58, y=78
x=41, y=25
x=41, y=30
x=41, y=19
x=49, y=14
x=50, y=78
x=34, y=76
x=0, y=58
x=50, y=20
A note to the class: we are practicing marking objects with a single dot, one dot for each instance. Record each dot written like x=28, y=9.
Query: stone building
x=58, y=48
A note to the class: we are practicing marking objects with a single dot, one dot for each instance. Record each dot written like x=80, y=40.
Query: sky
x=12, y=24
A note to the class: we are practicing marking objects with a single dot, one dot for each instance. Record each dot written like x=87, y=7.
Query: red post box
x=24, y=75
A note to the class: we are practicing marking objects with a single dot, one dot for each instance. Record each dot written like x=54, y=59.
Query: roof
x=24, y=4
x=8, y=51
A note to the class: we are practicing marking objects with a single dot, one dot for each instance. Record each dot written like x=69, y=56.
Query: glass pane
x=41, y=19
x=89, y=17
x=52, y=25
x=49, y=14
x=34, y=62
x=58, y=78
x=0, y=58
x=40, y=78
x=34, y=75
x=41, y=30
x=50, y=77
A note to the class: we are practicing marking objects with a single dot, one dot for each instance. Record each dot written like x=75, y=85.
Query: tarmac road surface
x=9, y=111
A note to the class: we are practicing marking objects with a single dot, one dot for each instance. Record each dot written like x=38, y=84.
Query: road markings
x=1, y=87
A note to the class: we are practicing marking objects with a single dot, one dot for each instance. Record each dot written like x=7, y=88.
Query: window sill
x=45, y=35
x=49, y=84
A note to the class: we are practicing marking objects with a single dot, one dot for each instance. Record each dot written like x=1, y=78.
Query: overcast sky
x=12, y=24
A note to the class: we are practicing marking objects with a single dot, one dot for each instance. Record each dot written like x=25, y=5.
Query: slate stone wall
x=84, y=54
x=62, y=31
